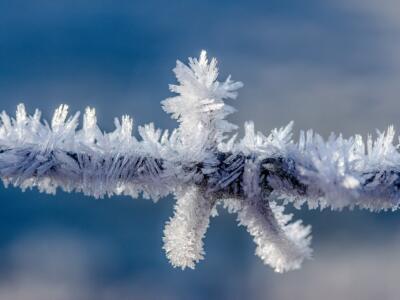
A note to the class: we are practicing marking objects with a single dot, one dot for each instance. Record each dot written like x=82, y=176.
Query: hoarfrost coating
x=205, y=166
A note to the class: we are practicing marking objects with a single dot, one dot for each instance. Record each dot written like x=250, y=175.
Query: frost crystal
x=204, y=165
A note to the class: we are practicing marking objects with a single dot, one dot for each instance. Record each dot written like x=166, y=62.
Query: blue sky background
x=327, y=65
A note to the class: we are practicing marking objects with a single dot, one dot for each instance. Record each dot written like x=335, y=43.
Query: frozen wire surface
x=204, y=164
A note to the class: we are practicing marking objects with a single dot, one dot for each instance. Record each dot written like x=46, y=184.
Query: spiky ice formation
x=204, y=165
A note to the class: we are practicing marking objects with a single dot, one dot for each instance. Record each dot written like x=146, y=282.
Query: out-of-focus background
x=329, y=65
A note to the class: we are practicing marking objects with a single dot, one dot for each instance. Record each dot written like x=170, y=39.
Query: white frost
x=204, y=164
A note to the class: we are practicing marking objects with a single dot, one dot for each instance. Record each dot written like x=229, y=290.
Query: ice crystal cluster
x=205, y=166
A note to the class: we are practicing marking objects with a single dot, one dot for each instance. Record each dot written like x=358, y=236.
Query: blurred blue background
x=329, y=65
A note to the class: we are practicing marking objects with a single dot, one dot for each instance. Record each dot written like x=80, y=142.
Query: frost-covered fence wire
x=205, y=165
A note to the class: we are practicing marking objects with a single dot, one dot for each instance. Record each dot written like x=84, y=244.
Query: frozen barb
x=184, y=232
x=204, y=165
